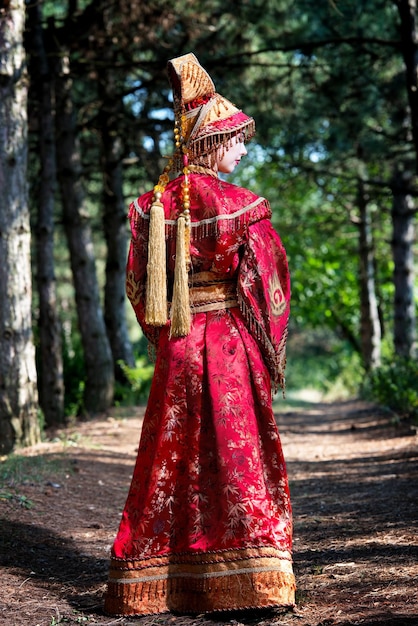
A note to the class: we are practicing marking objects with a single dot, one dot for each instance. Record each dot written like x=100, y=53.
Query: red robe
x=207, y=523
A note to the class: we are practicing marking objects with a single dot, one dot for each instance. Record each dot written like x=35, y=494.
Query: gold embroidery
x=209, y=292
x=210, y=297
x=132, y=288
x=225, y=580
x=277, y=299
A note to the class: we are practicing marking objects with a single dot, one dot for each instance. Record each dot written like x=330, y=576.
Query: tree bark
x=50, y=363
x=114, y=222
x=403, y=238
x=99, y=386
x=370, y=330
x=403, y=210
x=19, y=425
x=407, y=10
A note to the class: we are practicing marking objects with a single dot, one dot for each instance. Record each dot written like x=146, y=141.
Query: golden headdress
x=205, y=125
x=208, y=121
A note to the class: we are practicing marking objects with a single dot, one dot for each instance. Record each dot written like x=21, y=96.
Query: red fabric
x=233, y=236
x=210, y=473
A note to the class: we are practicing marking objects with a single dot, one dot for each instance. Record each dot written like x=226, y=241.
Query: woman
x=207, y=523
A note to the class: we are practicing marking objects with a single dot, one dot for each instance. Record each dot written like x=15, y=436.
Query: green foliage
x=318, y=359
x=20, y=499
x=326, y=84
x=395, y=385
x=321, y=243
x=139, y=379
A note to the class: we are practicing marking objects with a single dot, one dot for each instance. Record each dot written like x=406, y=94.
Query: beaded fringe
x=213, y=226
x=202, y=150
x=276, y=359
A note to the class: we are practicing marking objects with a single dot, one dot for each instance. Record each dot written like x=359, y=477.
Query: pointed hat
x=209, y=119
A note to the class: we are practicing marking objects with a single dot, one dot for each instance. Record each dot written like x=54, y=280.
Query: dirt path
x=354, y=484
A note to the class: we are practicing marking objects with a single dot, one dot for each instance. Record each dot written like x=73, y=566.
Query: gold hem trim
x=201, y=583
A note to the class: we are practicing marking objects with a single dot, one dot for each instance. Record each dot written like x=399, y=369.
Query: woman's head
x=208, y=124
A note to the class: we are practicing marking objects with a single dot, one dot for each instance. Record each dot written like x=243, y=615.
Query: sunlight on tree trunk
x=18, y=393
x=371, y=333
x=50, y=363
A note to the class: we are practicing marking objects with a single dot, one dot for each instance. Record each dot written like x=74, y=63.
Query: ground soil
x=354, y=484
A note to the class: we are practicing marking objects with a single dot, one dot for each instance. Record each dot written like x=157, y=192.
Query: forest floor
x=354, y=485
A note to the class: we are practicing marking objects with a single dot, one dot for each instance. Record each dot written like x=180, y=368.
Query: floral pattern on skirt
x=210, y=478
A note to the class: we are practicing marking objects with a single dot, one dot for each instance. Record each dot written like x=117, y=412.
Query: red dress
x=207, y=523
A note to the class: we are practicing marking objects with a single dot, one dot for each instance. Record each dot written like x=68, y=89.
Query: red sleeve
x=264, y=295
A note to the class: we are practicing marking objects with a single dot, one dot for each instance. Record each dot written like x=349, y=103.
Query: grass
x=18, y=470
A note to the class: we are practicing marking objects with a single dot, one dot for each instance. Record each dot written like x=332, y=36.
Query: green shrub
x=395, y=385
x=139, y=382
x=318, y=359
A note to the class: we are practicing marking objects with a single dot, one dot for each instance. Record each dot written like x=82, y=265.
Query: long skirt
x=207, y=523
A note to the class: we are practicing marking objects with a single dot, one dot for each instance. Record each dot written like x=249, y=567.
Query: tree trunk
x=114, y=223
x=371, y=332
x=403, y=210
x=98, y=394
x=19, y=424
x=403, y=275
x=50, y=364
x=407, y=10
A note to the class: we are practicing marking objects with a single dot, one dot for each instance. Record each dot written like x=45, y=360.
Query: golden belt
x=209, y=293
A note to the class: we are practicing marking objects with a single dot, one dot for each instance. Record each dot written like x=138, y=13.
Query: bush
x=319, y=360
x=395, y=385
x=139, y=382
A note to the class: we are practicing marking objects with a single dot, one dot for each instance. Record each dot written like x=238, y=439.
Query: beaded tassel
x=180, y=308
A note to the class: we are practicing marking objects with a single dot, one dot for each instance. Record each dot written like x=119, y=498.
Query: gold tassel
x=156, y=295
x=180, y=308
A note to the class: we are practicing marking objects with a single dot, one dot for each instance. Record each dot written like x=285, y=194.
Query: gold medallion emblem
x=277, y=299
x=132, y=288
